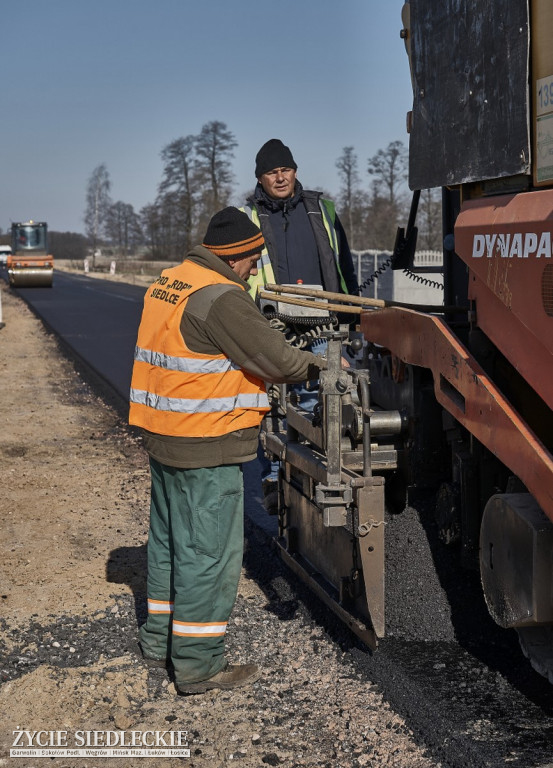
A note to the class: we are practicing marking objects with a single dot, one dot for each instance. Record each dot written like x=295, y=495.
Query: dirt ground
x=72, y=571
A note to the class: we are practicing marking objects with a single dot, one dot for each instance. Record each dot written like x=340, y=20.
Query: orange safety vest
x=175, y=391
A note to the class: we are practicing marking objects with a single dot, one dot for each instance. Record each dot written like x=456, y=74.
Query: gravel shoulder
x=74, y=509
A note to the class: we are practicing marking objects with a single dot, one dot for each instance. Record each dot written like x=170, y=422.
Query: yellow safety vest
x=175, y=391
x=265, y=272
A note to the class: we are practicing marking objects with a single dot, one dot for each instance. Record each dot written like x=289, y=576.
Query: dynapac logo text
x=519, y=245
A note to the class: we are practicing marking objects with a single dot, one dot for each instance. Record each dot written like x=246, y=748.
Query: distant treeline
x=197, y=181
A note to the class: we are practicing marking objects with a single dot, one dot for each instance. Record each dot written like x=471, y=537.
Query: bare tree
x=97, y=205
x=352, y=200
x=180, y=183
x=381, y=221
x=387, y=204
x=430, y=220
x=214, y=149
x=196, y=183
x=163, y=227
x=123, y=227
x=151, y=219
x=389, y=168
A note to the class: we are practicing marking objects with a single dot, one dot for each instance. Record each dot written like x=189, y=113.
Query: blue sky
x=114, y=81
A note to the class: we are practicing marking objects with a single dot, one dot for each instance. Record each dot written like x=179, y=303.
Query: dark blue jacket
x=298, y=244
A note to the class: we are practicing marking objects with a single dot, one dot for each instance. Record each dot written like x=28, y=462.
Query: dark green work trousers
x=195, y=549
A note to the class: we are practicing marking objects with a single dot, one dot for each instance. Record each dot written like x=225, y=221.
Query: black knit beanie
x=232, y=235
x=273, y=154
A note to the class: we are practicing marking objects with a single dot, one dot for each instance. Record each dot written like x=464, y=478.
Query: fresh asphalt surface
x=476, y=704
x=97, y=319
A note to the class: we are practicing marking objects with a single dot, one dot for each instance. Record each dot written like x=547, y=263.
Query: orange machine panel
x=506, y=242
x=465, y=390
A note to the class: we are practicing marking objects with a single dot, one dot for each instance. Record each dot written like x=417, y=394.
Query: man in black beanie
x=304, y=239
x=304, y=243
x=203, y=353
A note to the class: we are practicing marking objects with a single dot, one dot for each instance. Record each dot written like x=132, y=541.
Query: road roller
x=30, y=264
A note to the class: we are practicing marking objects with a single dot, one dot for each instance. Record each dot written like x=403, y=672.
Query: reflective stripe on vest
x=187, y=365
x=265, y=272
x=212, y=405
x=175, y=391
x=329, y=215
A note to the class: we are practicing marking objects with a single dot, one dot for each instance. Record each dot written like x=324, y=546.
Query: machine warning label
x=544, y=128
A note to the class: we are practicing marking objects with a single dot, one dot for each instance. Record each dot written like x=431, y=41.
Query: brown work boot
x=151, y=662
x=232, y=676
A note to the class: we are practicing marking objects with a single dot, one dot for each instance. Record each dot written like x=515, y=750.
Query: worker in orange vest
x=203, y=353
